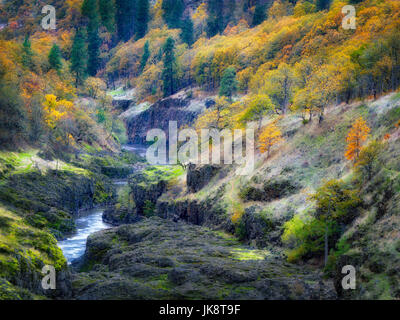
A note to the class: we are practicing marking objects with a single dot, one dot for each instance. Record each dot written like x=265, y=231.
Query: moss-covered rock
x=272, y=189
x=161, y=259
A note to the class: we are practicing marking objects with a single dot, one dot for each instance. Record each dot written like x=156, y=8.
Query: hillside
x=77, y=104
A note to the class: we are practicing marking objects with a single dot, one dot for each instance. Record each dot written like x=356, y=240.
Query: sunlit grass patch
x=249, y=254
x=154, y=173
x=117, y=92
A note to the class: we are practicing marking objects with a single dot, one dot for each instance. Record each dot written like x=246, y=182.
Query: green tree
x=107, y=14
x=228, y=83
x=172, y=12
x=280, y=86
x=368, y=163
x=169, y=70
x=89, y=8
x=27, y=53
x=259, y=15
x=145, y=56
x=187, y=31
x=94, y=43
x=323, y=4
x=215, y=20
x=142, y=18
x=55, y=57
x=79, y=57
x=257, y=107
x=125, y=17
x=335, y=203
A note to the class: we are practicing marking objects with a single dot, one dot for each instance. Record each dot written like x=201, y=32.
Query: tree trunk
x=326, y=244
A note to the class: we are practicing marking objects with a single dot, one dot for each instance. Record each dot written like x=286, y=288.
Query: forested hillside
x=326, y=108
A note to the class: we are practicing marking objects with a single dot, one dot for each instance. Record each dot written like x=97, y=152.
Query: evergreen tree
x=142, y=18
x=78, y=57
x=323, y=4
x=27, y=53
x=107, y=14
x=125, y=18
x=172, y=12
x=55, y=57
x=215, y=20
x=169, y=70
x=89, y=8
x=94, y=43
x=145, y=56
x=259, y=15
x=187, y=31
x=228, y=82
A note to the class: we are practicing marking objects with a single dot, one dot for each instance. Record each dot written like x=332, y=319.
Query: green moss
x=379, y=288
x=249, y=254
x=11, y=292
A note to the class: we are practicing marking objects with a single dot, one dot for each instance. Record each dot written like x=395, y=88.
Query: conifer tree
x=187, y=31
x=125, y=18
x=215, y=20
x=27, y=53
x=107, y=14
x=79, y=57
x=55, y=57
x=94, y=43
x=142, y=18
x=169, y=70
x=259, y=15
x=323, y=4
x=89, y=8
x=172, y=12
x=145, y=56
x=228, y=83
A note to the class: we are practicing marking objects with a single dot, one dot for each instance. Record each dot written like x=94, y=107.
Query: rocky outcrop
x=275, y=188
x=200, y=176
x=161, y=259
x=175, y=108
x=58, y=189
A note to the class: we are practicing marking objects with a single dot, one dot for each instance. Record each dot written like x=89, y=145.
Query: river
x=91, y=221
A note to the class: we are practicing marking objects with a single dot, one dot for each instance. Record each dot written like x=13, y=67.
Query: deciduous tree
x=357, y=135
x=270, y=136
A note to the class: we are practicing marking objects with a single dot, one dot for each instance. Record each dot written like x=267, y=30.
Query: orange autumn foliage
x=357, y=135
x=270, y=136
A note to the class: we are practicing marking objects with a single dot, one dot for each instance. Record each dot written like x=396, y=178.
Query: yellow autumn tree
x=215, y=117
x=357, y=135
x=270, y=136
x=55, y=110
